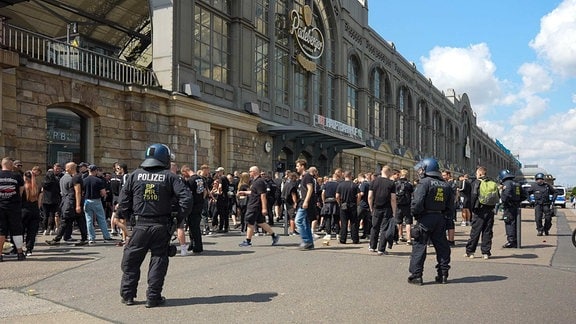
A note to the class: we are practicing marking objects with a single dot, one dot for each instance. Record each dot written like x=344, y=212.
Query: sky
x=515, y=59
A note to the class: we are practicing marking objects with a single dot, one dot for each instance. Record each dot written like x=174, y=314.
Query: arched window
x=352, y=103
x=377, y=106
x=404, y=103
x=65, y=134
x=420, y=125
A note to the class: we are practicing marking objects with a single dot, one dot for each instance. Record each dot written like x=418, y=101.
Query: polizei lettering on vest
x=151, y=177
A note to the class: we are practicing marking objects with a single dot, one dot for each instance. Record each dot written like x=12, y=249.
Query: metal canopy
x=310, y=135
x=122, y=25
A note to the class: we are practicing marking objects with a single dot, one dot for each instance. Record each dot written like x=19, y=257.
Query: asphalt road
x=332, y=284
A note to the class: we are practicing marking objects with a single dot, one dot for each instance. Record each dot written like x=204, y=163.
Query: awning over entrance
x=312, y=136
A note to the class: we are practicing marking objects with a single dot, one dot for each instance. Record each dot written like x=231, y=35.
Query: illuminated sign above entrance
x=309, y=39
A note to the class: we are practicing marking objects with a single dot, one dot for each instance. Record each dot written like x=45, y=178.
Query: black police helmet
x=539, y=176
x=157, y=155
x=429, y=166
x=505, y=174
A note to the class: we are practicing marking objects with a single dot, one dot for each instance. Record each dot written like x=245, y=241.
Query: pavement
x=331, y=284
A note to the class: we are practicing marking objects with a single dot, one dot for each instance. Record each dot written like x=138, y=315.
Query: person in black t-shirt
x=347, y=195
x=382, y=200
x=12, y=185
x=257, y=208
x=306, y=205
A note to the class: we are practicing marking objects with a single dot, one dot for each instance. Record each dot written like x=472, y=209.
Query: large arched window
x=420, y=144
x=377, y=103
x=404, y=104
x=65, y=134
x=352, y=93
x=436, y=133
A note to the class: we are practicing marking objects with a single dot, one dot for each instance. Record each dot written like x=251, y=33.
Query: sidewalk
x=335, y=283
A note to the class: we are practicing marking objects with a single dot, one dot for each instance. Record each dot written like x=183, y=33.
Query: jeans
x=93, y=207
x=304, y=226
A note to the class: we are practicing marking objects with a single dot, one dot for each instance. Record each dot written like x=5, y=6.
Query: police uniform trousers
x=435, y=225
x=510, y=220
x=149, y=234
x=542, y=211
x=482, y=226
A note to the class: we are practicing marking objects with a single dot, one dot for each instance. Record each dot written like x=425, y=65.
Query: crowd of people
x=386, y=208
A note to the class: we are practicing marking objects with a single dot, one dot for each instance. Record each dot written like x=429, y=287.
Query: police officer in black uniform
x=147, y=195
x=432, y=202
x=542, y=203
x=511, y=198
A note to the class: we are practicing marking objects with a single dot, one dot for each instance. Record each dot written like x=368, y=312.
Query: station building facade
x=234, y=84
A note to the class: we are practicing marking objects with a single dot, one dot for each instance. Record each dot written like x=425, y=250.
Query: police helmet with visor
x=429, y=167
x=539, y=176
x=505, y=174
x=157, y=155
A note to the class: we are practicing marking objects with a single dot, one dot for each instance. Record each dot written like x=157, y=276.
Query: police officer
x=542, y=203
x=147, y=195
x=432, y=202
x=510, y=197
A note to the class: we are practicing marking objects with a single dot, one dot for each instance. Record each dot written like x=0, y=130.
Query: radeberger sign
x=308, y=38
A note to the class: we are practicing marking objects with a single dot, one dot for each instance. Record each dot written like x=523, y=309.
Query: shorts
x=403, y=215
x=254, y=217
x=11, y=221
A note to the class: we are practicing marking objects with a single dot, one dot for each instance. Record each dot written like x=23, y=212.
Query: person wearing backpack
x=484, y=195
x=404, y=190
x=512, y=195
x=543, y=203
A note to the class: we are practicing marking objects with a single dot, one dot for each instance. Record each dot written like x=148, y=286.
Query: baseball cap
x=220, y=169
x=92, y=167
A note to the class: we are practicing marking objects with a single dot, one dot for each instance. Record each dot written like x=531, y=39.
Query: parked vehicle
x=560, y=196
x=529, y=202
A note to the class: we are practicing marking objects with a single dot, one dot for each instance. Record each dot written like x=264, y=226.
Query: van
x=560, y=196
x=529, y=202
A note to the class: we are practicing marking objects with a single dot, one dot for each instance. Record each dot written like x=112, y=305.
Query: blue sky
x=515, y=59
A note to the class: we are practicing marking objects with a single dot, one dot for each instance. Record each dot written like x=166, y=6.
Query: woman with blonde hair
x=31, y=203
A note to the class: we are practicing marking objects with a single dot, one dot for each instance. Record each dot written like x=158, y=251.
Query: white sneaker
x=485, y=256
x=463, y=223
x=45, y=232
x=315, y=236
x=90, y=243
x=328, y=237
x=469, y=255
x=183, y=250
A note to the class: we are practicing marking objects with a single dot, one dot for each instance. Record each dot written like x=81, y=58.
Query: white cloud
x=535, y=78
x=556, y=41
x=466, y=70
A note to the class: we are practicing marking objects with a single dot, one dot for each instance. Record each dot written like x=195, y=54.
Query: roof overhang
x=312, y=135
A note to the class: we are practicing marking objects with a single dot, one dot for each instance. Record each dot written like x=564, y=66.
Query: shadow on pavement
x=515, y=256
x=220, y=252
x=476, y=279
x=253, y=298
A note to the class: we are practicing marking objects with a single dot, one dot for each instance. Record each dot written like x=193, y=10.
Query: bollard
x=519, y=229
x=285, y=212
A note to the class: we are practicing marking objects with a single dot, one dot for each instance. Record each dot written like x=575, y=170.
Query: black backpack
x=271, y=189
x=403, y=192
x=518, y=193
